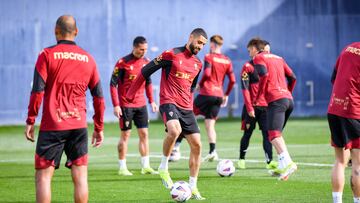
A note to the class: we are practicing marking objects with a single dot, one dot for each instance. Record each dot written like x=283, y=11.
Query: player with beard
x=180, y=71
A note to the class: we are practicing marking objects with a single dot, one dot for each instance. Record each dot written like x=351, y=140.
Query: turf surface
x=307, y=139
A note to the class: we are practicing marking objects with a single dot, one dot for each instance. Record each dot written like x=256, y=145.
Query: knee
x=43, y=175
x=42, y=179
x=196, y=147
x=272, y=134
x=174, y=131
x=125, y=135
x=143, y=135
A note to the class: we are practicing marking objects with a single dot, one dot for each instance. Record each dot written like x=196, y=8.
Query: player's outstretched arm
x=161, y=61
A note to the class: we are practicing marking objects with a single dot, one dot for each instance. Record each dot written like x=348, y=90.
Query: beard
x=194, y=50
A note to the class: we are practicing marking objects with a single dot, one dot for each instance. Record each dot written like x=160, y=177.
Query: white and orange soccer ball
x=225, y=168
x=180, y=191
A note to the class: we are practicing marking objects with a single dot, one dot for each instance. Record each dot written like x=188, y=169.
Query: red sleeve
x=149, y=92
x=163, y=60
x=245, y=85
x=37, y=92
x=98, y=100
x=114, y=84
x=262, y=70
x=207, y=71
x=290, y=76
x=34, y=106
x=232, y=79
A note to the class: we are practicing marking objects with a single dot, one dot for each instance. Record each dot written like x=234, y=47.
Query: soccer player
x=252, y=114
x=211, y=96
x=62, y=75
x=343, y=117
x=180, y=72
x=124, y=74
x=276, y=82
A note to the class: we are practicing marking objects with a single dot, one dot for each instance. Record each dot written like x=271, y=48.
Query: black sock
x=212, y=147
x=267, y=146
x=244, y=143
x=180, y=138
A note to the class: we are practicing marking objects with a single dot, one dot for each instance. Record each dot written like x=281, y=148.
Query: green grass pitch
x=307, y=140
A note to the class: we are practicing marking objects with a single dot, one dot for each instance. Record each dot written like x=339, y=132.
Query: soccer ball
x=180, y=191
x=225, y=168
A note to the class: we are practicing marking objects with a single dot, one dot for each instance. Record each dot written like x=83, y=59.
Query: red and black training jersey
x=250, y=86
x=215, y=68
x=277, y=80
x=62, y=75
x=345, y=96
x=124, y=74
x=180, y=71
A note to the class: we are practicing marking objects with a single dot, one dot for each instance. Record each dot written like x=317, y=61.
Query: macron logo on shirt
x=71, y=56
x=353, y=50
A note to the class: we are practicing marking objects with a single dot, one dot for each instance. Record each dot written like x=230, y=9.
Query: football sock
x=164, y=163
x=193, y=182
x=178, y=141
x=244, y=143
x=267, y=147
x=212, y=147
x=122, y=164
x=145, y=162
x=284, y=159
x=337, y=197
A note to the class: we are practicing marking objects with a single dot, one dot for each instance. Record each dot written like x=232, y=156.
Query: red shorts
x=51, y=144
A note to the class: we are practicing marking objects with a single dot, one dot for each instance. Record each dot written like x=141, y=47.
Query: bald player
x=62, y=75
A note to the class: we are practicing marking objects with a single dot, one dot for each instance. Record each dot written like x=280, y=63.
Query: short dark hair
x=217, y=39
x=198, y=32
x=257, y=43
x=139, y=40
x=266, y=43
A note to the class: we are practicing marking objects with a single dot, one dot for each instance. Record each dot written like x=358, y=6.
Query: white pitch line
x=247, y=160
x=160, y=156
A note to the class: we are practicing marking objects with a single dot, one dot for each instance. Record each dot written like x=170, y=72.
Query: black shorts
x=51, y=144
x=345, y=132
x=208, y=106
x=185, y=117
x=139, y=115
x=249, y=123
x=278, y=112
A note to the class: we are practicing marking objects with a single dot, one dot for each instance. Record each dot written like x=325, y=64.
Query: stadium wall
x=309, y=34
